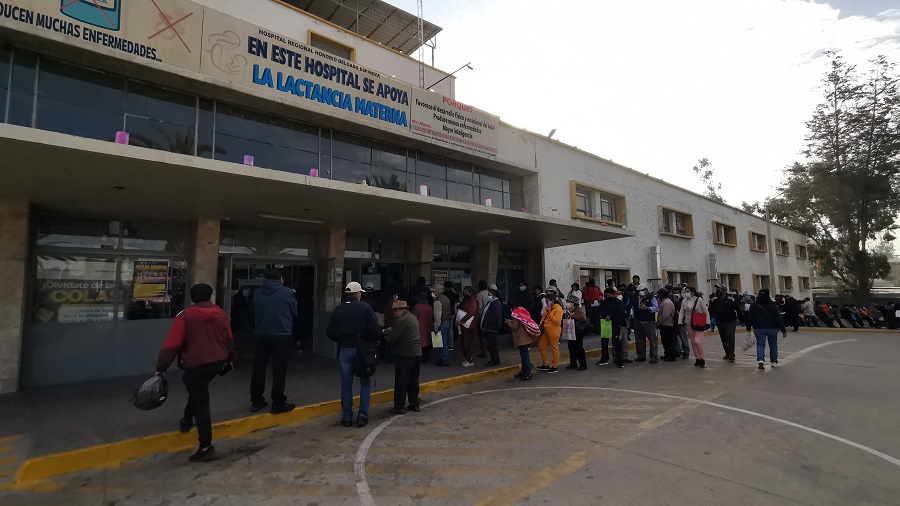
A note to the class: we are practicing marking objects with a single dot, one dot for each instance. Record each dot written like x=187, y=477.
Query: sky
x=654, y=84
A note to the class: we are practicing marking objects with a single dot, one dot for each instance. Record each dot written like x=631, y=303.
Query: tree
x=847, y=194
x=706, y=172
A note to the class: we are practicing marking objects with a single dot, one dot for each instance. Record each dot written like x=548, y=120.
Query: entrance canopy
x=95, y=178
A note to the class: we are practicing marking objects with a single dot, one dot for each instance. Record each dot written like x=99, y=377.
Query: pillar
x=14, y=216
x=205, y=252
x=330, y=246
x=485, y=258
x=420, y=254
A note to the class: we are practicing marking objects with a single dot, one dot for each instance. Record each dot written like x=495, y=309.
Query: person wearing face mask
x=645, y=308
x=726, y=312
x=765, y=321
x=491, y=319
x=682, y=342
x=592, y=298
x=577, y=358
x=469, y=308
x=613, y=310
x=694, y=304
x=443, y=323
x=666, y=324
x=524, y=299
x=551, y=329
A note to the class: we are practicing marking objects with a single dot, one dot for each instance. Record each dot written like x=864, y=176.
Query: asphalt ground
x=822, y=429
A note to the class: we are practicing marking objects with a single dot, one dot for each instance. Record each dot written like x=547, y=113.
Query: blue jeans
x=761, y=336
x=346, y=357
x=447, y=335
x=526, y=359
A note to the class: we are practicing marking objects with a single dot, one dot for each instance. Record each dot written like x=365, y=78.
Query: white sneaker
x=775, y=365
x=468, y=364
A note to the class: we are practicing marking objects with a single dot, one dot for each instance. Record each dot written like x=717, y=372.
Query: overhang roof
x=375, y=20
x=58, y=172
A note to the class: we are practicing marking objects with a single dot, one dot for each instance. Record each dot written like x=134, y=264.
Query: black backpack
x=367, y=358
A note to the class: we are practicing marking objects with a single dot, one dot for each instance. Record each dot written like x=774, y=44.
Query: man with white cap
x=645, y=324
x=353, y=327
x=443, y=322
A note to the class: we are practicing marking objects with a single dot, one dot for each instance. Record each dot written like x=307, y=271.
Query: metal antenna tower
x=421, y=14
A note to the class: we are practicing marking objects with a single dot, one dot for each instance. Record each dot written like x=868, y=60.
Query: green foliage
x=705, y=170
x=847, y=196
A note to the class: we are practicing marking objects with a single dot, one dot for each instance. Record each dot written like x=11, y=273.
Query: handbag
x=568, y=330
x=749, y=341
x=606, y=329
x=437, y=339
x=698, y=320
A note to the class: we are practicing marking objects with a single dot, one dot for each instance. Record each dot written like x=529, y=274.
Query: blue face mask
x=490, y=298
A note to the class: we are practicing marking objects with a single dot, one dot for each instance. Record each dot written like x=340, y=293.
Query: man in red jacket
x=592, y=297
x=201, y=338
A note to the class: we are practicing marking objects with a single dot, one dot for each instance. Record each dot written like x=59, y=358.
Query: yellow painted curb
x=113, y=454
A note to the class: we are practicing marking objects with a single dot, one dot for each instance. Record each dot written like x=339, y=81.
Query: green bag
x=606, y=328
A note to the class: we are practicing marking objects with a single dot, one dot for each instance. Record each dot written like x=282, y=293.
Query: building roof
x=375, y=20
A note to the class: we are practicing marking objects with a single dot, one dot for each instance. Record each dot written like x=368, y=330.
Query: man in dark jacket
x=523, y=298
x=592, y=297
x=645, y=307
x=275, y=307
x=404, y=335
x=201, y=338
x=352, y=324
x=491, y=319
x=726, y=312
x=613, y=310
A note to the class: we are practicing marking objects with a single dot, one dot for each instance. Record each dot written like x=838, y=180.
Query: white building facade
x=154, y=145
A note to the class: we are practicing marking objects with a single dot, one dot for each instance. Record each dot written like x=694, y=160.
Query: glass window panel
x=431, y=166
x=460, y=254
x=517, y=185
x=391, y=250
x=243, y=241
x=21, y=107
x=506, y=185
x=160, y=135
x=291, y=244
x=205, y=138
x=516, y=202
x=161, y=104
x=75, y=119
x=74, y=289
x=56, y=232
x=436, y=187
x=24, y=71
x=441, y=253
x=292, y=160
x=351, y=172
x=382, y=178
x=4, y=79
x=155, y=236
x=238, y=122
x=153, y=288
x=352, y=148
x=491, y=182
x=233, y=149
x=461, y=192
x=459, y=176
x=389, y=157
x=87, y=88
x=295, y=135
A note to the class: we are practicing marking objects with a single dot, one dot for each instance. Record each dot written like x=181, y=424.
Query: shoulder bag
x=698, y=320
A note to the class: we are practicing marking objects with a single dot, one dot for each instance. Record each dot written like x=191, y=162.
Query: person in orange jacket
x=551, y=329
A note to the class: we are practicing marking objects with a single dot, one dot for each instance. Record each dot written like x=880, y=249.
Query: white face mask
x=644, y=293
x=619, y=296
x=522, y=288
x=688, y=295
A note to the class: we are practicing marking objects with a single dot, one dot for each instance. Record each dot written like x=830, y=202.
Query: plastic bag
x=749, y=341
x=568, y=330
x=437, y=340
x=152, y=394
x=606, y=328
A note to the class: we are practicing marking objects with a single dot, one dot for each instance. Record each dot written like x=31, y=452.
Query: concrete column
x=14, y=216
x=534, y=268
x=420, y=254
x=205, y=252
x=485, y=258
x=330, y=247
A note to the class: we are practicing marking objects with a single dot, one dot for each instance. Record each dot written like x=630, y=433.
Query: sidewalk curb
x=110, y=455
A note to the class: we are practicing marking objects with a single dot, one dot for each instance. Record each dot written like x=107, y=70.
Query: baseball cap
x=641, y=286
x=492, y=286
x=353, y=287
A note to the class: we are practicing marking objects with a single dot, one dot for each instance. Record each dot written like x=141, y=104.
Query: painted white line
x=365, y=494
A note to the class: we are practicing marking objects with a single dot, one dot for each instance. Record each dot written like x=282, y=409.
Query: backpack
x=367, y=358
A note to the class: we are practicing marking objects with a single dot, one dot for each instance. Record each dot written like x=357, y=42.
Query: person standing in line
x=645, y=308
x=524, y=299
x=765, y=321
x=592, y=298
x=666, y=324
x=613, y=310
x=577, y=357
x=404, y=335
x=443, y=323
x=481, y=297
x=491, y=320
x=275, y=307
x=537, y=308
x=453, y=295
x=682, y=342
x=522, y=340
x=630, y=299
x=200, y=337
x=352, y=326
x=809, y=313
x=793, y=313
x=694, y=304
x=576, y=292
x=425, y=315
x=727, y=313
x=551, y=330
x=469, y=306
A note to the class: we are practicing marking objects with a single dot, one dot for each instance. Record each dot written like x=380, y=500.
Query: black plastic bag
x=152, y=394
